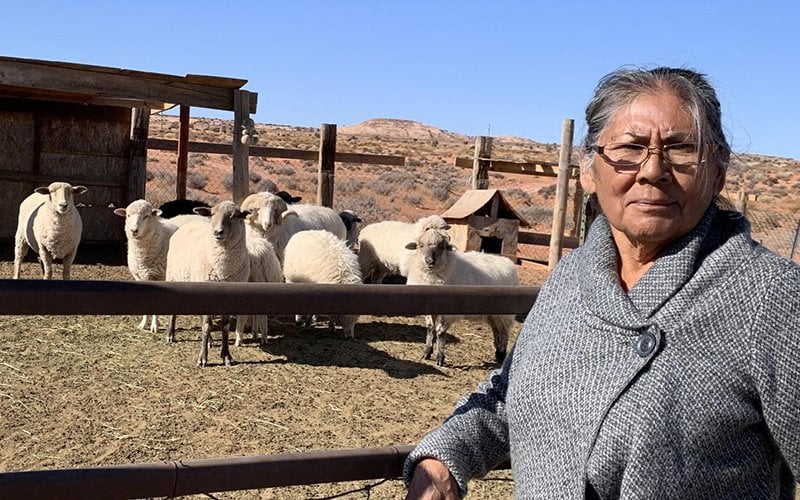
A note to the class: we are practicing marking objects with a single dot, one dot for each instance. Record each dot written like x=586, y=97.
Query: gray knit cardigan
x=686, y=387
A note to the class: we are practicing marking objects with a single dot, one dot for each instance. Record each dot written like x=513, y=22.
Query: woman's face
x=661, y=202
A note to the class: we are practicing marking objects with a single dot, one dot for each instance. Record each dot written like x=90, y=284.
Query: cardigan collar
x=600, y=288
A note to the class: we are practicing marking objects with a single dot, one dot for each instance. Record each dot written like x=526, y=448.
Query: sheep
x=435, y=262
x=287, y=197
x=351, y=220
x=318, y=256
x=381, y=246
x=170, y=209
x=148, y=241
x=210, y=251
x=272, y=218
x=50, y=224
x=264, y=267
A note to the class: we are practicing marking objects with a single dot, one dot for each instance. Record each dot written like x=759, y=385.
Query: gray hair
x=623, y=85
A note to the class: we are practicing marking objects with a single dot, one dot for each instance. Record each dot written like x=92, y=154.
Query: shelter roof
x=101, y=85
x=475, y=201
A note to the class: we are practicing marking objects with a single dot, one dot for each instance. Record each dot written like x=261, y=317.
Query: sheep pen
x=86, y=390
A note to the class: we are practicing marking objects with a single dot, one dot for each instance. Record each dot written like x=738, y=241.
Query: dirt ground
x=91, y=390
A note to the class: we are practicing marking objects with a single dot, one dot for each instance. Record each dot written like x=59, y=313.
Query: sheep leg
x=241, y=321
x=205, y=327
x=225, y=352
x=441, y=335
x=20, y=251
x=143, y=323
x=47, y=263
x=500, y=328
x=171, y=329
x=67, y=264
x=430, y=334
x=154, y=324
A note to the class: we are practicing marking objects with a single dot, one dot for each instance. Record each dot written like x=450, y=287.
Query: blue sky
x=502, y=68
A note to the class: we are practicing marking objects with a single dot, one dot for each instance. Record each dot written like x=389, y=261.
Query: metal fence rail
x=54, y=297
x=170, y=479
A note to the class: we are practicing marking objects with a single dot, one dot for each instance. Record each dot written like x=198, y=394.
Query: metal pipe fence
x=184, y=477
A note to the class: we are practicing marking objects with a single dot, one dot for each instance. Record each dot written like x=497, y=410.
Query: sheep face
x=60, y=195
x=266, y=210
x=432, y=247
x=226, y=219
x=139, y=218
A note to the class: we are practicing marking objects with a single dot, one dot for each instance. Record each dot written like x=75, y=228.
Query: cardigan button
x=645, y=344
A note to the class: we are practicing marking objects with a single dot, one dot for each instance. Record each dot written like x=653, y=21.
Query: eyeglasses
x=628, y=157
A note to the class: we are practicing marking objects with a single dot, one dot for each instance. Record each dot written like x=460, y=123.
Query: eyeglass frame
x=634, y=168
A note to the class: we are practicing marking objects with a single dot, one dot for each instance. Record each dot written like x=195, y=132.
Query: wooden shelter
x=484, y=221
x=88, y=125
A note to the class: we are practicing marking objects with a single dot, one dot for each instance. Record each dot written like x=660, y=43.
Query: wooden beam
x=241, y=169
x=98, y=82
x=543, y=169
x=543, y=239
x=137, y=161
x=562, y=192
x=183, y=154
x=287, y=154
x=327, y=168
x=481, y=161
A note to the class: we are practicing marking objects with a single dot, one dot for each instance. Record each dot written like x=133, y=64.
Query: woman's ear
x=587, y=175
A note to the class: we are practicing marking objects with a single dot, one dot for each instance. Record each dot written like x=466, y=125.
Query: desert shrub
x=547, y=192
x=392, y=177
x=365, y=206
x=290, y=184
x=348, y=186
x=537, y=215
x=413, y=199
x=227, y=182
x=408, y=183
x=281, y=170
x=260, y=185
x=413, y=162
x=382, y=187
x=196, y=181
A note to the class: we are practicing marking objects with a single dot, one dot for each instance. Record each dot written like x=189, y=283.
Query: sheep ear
x=42, y=190
x=452, y=248
x=411, y=246
x=157, y=212
x=244, y=214
x=204, y=211
x=79, y=189
x=120, y=211
x=446, y=227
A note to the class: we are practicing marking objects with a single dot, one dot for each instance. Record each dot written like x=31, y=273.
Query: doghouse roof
x=101, y=85
x=479, y=200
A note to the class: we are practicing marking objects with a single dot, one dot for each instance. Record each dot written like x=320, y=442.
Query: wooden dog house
x=88, y=125
x=482, y=220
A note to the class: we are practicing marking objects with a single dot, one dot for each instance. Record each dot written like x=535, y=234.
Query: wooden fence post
x=562, y=191
x=137, y=175
x=480, y=165
x=183, y=153
x=241, y=172
x=327, y=165
x=741, y=202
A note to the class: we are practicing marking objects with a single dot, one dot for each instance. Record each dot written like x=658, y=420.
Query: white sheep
x=264, y=268
x=50, y=224
x=276, y=221
x=435, y=262
x=210, y=251
x=148, y=237
x=318, y=256
x=382, y=246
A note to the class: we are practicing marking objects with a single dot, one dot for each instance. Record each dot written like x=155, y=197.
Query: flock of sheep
x=269, y=238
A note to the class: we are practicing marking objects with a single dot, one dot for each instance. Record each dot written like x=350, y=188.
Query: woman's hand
x=432, y=481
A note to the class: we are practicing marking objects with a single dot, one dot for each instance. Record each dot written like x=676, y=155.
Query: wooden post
x=241, y=171
x=137, y=160
x=480, y=162
x=327, y=166
x=741, y=202
x=562, y=190
x=577, y=208
x=796, y=242
x=183, y=154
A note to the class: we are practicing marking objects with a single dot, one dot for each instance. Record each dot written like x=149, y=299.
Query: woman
x=662, y=358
